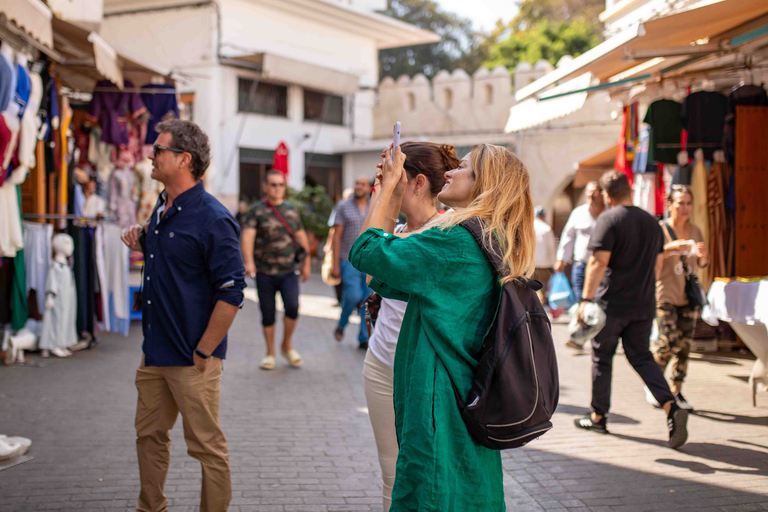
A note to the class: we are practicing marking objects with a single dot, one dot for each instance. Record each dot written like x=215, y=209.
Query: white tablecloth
x=735, y=301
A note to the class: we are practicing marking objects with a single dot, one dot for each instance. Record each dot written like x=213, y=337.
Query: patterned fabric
x=274, y=251
x=676, y=328
x=349, y=216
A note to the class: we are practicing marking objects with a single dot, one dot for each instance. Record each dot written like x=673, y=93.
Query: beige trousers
x=164, y=392
x=377, y=379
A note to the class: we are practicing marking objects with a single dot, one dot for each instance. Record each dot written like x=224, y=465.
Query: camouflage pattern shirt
x=273, y=250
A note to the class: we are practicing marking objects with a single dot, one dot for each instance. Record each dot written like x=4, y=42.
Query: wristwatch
x=202, y=354
x=584, y=299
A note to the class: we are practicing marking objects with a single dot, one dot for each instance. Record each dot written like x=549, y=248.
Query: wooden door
x=751, y=191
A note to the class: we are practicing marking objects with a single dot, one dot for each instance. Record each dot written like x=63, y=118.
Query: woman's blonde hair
x=501, y=197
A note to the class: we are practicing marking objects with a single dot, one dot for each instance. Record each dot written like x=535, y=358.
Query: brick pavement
x=300, y=439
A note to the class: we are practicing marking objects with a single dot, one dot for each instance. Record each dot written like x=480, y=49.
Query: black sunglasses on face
x=276, y=184
x=157, y=148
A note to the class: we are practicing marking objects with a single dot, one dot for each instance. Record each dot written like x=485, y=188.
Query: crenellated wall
x=452, y=103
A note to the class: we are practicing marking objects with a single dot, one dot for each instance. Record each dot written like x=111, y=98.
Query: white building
x=262, y=72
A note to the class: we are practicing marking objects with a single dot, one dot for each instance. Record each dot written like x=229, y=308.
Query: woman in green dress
x=453, y=295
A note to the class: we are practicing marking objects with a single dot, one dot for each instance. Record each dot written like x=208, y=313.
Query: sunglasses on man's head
x=157, y=148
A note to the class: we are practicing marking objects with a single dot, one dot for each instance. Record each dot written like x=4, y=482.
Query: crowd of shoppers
x=438, y=292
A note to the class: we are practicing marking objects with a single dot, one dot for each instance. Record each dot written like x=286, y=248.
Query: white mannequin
x=59, y=331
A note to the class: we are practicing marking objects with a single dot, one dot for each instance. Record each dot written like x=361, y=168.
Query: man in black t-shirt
x=628, y=247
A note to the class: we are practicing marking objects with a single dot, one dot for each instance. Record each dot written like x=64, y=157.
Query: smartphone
x=396, y=139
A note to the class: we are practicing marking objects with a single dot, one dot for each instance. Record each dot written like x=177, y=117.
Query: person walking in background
x=675, y=317
x=425, y=167
x=453, y=295
x=192, y=289
x=348, y=221
x=627, y=254
x=328, y=248
x=545, y=252
x=574, y=242
x=272, y=239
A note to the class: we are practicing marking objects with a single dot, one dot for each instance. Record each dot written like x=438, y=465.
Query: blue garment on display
x=161, y=106
x=23, y=88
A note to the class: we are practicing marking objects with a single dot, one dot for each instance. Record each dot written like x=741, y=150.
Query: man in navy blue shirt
x=192, y=289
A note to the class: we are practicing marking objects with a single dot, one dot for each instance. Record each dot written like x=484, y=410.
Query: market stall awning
x=675, y=30
x=290, y=71
x=595, y=166
x=533, y=112
x=87, y=58
x=32, y=17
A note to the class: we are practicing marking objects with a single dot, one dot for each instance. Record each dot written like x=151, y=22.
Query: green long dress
x=453, y=295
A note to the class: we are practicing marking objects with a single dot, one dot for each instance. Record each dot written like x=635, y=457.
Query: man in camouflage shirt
x=269, y=253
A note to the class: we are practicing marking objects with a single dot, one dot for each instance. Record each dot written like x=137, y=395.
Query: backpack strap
x=475, y=227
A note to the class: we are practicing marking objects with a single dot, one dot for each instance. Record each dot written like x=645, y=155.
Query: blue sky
x=483, y=13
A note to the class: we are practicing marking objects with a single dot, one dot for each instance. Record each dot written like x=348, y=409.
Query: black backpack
x=515, y=387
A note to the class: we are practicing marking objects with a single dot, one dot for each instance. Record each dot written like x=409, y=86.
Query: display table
x=744, y=305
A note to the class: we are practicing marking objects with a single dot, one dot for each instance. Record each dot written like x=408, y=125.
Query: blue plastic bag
x=560, y=294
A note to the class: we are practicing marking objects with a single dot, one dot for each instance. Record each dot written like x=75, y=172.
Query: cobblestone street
x=300, y=439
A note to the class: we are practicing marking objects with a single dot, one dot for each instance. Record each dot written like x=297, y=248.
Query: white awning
x=106, y=59
x=290, y=71
x=31, y=16
x=533, y=112
x=680, y=29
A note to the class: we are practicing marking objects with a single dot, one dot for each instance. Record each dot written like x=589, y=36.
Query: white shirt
x=574, y=241
x=545, y=244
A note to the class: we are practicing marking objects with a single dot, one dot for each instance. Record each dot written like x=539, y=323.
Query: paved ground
x=300, y=439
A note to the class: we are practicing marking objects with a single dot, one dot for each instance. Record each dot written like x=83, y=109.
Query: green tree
x=459, y=45
x=532, y=11
x=543, y=39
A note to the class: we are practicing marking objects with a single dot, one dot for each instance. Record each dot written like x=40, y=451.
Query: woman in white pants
x=426, y=164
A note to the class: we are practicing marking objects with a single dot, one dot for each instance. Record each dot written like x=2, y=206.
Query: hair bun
x=449, y=157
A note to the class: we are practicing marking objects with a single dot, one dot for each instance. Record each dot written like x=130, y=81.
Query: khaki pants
x=378, y=385
x=164, y=392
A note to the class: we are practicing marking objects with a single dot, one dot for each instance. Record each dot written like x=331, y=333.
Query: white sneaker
x=21, y=441
x=10, y=450
x=650, y=398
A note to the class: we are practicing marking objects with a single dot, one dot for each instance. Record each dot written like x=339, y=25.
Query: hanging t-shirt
x=663, y=116
x=160, y=105
x=7, y=82
x=703, y=115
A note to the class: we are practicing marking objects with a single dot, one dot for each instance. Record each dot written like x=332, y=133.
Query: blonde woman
x=453, y=294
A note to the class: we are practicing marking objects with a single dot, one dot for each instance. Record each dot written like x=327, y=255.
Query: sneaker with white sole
x=677, y=423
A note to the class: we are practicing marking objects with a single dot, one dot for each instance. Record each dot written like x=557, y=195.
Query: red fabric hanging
x=280, y=162
x=622, y=163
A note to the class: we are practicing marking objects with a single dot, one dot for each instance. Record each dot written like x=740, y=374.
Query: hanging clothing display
x=641, y=162
x=116, y=256
x=700, y=212
x=113, y=108
x=148, y=190
x=644, y=192
x=717, y=220
x=121, y=199
x=7, y=81
x=703, y=115
x=38, y=252
x=625, y=154
x=161, y=107
x=59, y=329
x=663, y=116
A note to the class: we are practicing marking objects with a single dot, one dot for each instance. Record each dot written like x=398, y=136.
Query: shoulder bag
x=693, y=289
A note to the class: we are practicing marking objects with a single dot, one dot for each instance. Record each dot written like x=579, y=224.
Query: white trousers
x=377, y=379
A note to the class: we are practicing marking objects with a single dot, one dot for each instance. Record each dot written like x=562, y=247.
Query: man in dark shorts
x=272, y=227
x=627, y=247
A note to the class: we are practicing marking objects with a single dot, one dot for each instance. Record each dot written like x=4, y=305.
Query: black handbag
x=693, y=289
x=299, y=252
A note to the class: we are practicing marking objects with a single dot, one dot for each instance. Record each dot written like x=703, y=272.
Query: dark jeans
x=635, y=337
x=577, y=279
x=267, y=286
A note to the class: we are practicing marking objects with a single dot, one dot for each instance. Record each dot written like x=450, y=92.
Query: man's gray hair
x=188, y=137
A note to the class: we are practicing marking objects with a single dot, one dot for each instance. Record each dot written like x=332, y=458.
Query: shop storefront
x=78, y=127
